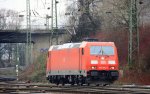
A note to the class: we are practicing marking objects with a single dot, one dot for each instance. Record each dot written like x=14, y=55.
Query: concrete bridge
x=40, y=38
x=20, y=36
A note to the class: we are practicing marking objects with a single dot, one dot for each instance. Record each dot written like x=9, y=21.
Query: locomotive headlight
x=111, y=62
x=112, y=68
x=102, y=58
x=94, y=67
x=94, y=62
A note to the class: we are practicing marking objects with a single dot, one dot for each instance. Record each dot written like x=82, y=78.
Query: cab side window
x=82, y=51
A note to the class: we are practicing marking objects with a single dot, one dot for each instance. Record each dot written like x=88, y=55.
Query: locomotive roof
x=66, y=45
x=73, y=45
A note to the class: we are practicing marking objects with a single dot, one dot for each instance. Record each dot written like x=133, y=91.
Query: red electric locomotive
x=82, y=63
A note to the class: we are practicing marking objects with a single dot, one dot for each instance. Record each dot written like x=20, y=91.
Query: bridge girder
x=20, y=37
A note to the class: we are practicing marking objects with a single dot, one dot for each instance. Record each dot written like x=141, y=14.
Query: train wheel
x=57, y=80
x=82, y=79
x=97, y=84
x=63, y=84
x=77, y=80
x=81, y=83
x=72, y=83
x=105, y=84
x=63, y=81
x=72, y=80
x=57, y=83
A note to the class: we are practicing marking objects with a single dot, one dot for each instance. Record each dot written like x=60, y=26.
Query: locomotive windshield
x=101, y=50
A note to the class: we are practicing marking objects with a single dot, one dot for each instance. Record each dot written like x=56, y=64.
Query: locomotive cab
x=102, y=62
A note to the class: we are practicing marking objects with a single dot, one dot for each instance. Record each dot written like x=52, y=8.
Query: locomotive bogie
x=93, y=76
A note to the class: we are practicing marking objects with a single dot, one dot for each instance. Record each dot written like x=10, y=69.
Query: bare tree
x=9, y=19
x=89, y=16
x=8, y=54
x=115, y=13
x=81, y=21
x=72, y=13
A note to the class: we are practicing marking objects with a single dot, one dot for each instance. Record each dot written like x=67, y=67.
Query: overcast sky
x=39, y=6
x=13, y=4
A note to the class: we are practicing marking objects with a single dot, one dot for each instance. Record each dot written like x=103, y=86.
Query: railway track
x=48, y=88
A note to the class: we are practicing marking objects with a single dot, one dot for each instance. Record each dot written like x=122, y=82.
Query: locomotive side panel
x=65, y=62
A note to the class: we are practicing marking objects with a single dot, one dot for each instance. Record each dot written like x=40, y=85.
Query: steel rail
x=40, y=87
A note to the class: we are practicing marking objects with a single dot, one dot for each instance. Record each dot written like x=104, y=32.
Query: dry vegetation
x=35, y=72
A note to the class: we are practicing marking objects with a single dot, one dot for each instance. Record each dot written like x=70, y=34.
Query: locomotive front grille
x=103, y=74
x=94, y=73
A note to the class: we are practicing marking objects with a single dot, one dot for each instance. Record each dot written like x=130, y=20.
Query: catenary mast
x=28, y=33
x=133, y=48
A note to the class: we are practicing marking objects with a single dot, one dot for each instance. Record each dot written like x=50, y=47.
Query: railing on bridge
x=23, y=28
x=18, y=27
